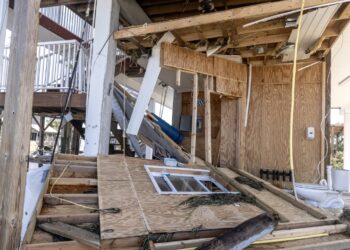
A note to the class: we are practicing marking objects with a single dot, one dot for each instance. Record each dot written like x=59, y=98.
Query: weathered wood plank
x=72, y=232
x=16, y=130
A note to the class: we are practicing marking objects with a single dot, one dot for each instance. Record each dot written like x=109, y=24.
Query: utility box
x=310, y=133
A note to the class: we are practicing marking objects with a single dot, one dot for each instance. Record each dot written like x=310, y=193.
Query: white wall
x=340, y=69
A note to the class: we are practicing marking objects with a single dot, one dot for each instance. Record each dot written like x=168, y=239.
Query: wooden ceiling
x=260, y=42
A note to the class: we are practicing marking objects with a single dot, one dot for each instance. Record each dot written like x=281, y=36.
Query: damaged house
x=204, y=125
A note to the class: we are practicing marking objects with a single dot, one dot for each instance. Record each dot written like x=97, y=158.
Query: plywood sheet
x=229, y=133
x=144, y=210
x=267, y=134
x=186, y=59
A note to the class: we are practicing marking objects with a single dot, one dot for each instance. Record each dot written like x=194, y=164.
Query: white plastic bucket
x=341, y=179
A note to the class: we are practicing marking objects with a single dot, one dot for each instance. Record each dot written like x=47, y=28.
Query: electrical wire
x=317, y=167
x=106, y=210
x=70, y=86
x=291, y=153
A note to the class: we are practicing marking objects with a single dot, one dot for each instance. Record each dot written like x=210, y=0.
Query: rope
x=107, y=210
x=293, y=97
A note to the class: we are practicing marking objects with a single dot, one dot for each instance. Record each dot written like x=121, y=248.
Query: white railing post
x=54, y=66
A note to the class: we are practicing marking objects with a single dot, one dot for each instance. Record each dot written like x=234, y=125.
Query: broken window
x=172, y=180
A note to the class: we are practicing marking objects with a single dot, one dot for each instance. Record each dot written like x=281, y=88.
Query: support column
x=14, y=148
x=149, y=82
x=194, y=118
x=75, y=142
x=41, y=135
x=99, y=107
x=347, y=138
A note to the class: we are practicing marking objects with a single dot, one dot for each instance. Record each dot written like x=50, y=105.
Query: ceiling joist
x=216, y=17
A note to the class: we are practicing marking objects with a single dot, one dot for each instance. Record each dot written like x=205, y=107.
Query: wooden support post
x=323, y=123
x=75, y=142
x=41, y=135
x=148, y=84
x=207, y=121
x=99, y=103
x=14, y=147
x=194, y=118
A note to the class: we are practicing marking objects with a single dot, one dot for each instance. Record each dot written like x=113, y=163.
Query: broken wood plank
x=76, y=162
x=243, y=235
x=75, y=158
x=66, y=245
x=77, y=198
x=72, y=232
x=298, y=203
x=68, y=218
x=73, y=181
x=289, y=233
x=217, y=174
x=334, y=245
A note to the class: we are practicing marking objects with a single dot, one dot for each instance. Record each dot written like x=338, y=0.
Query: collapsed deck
x=110, y=183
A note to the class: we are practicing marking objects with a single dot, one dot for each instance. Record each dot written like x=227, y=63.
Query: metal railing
x=69, y=20
x=54, y=65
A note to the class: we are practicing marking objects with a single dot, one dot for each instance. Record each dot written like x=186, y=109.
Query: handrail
x=68, y=19
x=54, y=66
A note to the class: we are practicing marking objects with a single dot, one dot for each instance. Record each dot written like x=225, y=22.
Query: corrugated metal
x=313, y=26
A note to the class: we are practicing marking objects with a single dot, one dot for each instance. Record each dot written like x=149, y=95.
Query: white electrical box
x=310, y=133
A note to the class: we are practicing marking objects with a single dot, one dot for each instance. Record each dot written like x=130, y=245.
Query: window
x=173, y=180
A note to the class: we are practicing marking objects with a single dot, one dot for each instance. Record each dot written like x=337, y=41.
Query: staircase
x=72, y=179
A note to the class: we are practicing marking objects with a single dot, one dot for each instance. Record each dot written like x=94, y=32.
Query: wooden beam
x=16, y=130
x=220, y=16
x=243, y=235
x=148, y=84
x=66, y=245
x=69, y=218
x=49, y=3
x=324, y=119
x=263, y=204
x=317, y=213
x=194, y=118
x=52, y=100
x=207, y=121
x=77, y=198
x=72, y=232
x=73, y=181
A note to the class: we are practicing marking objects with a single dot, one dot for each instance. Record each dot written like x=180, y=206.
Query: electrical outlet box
x=310, y=133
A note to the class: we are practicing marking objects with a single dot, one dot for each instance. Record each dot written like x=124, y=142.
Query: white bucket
x=341, y=179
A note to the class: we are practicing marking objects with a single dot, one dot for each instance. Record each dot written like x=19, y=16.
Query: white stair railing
x=69, y=20
x=54, y=65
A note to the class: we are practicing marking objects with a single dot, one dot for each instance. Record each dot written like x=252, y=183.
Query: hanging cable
x=291, y=153
x=70, y=84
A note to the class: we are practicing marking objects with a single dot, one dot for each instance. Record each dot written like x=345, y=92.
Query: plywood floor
x=124, y=183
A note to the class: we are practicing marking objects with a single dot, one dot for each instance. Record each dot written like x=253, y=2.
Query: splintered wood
x=124, y=183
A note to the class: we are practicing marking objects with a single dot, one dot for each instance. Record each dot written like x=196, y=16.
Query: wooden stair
x=77, y=184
